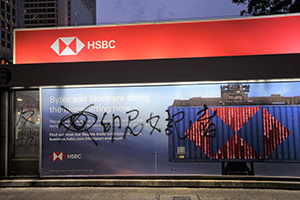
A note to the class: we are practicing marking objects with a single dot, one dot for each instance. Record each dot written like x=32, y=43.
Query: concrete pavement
x=151, y=187
x=138, y=193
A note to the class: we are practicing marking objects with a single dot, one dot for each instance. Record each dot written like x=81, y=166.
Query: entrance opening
x=237, y=168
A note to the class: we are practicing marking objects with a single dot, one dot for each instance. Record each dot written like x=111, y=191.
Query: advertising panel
x=150, y=129
x=214, y=38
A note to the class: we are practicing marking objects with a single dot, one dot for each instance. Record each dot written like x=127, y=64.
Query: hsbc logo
x=60, y=156
x=65, y=46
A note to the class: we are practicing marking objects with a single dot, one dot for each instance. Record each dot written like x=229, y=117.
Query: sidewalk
x=152, y=187
x=133, y=193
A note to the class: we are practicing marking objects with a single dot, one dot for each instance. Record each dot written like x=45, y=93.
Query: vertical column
x=3, y=132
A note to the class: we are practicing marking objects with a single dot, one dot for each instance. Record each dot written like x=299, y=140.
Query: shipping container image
x=235, y=128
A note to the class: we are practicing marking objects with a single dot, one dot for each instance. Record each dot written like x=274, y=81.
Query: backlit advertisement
x=192, y=39
x=158, y=129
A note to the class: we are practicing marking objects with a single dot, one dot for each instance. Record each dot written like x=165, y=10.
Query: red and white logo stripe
x=58, y=156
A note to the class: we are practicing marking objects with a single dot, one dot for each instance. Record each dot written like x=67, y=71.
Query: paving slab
x=133, y=193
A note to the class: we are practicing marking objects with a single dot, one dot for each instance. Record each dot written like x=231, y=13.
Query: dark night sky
x=126, y=11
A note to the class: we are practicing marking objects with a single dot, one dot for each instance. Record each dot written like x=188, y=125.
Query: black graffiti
x=78, y=122
x=153, y=126
x=115, y=117
x=30, y=140
x=26, y=137
x=106, y=126
x=23, y=113
x=207, y=127
x=131, y=131
x=170, y=120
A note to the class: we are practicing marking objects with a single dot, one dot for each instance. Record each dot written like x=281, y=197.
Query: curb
x=195, y=182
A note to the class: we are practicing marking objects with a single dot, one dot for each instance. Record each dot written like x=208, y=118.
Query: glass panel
x=26, y=124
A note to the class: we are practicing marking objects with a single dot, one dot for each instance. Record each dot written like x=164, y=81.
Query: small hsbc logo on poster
x=65, y=46
x=60, y=156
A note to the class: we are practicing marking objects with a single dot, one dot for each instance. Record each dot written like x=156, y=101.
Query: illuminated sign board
x=215, y=38
x=120, y=130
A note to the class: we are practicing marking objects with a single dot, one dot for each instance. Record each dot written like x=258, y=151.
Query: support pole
x=155, y=162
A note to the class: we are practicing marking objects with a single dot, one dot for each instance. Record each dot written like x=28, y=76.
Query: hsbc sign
x=65, y=46
x=57, y=156
x=101, y=44
x=60, y=156
x=214, y=38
